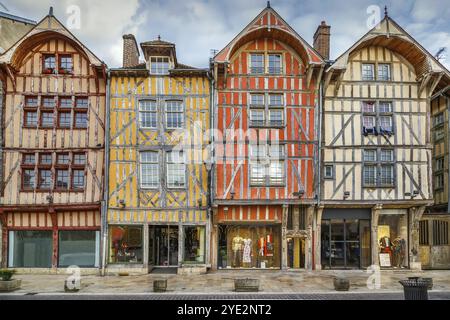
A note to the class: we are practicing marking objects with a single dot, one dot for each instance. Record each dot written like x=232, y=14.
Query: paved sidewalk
x=222, y=282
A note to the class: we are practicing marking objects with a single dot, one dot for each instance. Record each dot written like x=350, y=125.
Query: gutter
x=106, y=168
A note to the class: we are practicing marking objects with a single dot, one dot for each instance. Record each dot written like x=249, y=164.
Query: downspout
x=211, y=154
x=106, y=170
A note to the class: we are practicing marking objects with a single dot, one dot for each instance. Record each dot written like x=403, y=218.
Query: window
x=49, y=64
x=194, y=244
x=148, y=114
x=149, y=170
x=31, y=119
x=45, y=179
x=126, y=244
x=257, y=63
x=370, y=175
x=174, y=115
x=62, y=179
x=440, y=233
x=276, y=118
x=439, y=134
x=272, y=115
x=384, y=72
x=78, y=179
x=275, y=63
x=65, y=102
x=30, y=249
x=65, y=64
x=64, y=119
x=439, y=164
x=377, y=118
x=328, y=172
x=378, y=167
x=82, y=103
x=257, y=100
x=275, y=100
x=48, y=102
x=159, y=65
x=47, y=119
x=368, y=72
x=31, y=102
x=81, y=120
x=59, y=174
x=267, y=164
x=79, y=248
x=79, y=159
x=439, y=119
x=438, y=181
x=176, y=169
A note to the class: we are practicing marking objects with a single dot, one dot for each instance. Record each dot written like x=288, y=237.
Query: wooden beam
x=436, y=82
x=319, y=76
x=338, y=82
x=11, y=75
x=327, y=79
x=309, y=76
x=424, y=83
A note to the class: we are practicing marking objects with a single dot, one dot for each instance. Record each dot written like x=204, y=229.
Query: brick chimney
x=130, y=51
x=322, y=40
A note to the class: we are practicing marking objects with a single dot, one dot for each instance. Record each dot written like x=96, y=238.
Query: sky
x=197, y=26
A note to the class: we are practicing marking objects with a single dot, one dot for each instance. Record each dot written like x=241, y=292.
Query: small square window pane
x=47, y=119
x=276, y=100
x=257, y=99
x=385, y=107
x=369, y=175
x=80, y=120
x=369, y=122
x=31, y=118
x=78, y=179
x=29, y=159
x=370, y=155
x=276, y=117
x=79, y=159
x=387, y=155
x=45, y=159
x=368, y=107
x=257, y=63
x=65, y=102
x=45, y=179
x=257, y=117
x=63, y=158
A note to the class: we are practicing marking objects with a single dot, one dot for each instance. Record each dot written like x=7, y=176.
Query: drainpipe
x=106, y=180
x=211, y=170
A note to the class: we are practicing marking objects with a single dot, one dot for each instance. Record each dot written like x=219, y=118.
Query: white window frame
x=180, y=112
x=363, y=74
x=144, y=184
x=179, y=165
x=158, y=70
x=262, y=69
x=388, y=71
x=280, y=68
x=143, y=112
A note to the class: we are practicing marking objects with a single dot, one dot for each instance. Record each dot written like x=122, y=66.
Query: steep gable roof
x=391, y=35
x=48, y=27
x=269, y=23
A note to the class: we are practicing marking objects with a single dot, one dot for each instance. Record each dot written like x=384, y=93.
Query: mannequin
x=236, y=246
x=399, y=246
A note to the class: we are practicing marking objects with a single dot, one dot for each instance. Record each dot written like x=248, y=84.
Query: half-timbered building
x=265, y=147
x=158, y=179
x=376, y=177
x=434, y=228
x=53, y=150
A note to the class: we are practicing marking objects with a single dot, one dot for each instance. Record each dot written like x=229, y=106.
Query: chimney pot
x=322, y=40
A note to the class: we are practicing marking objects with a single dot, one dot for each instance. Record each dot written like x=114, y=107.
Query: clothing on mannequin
x=237, y=246
x=247, y=251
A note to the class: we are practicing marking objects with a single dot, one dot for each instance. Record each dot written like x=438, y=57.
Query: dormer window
x=65, y=64
x=159, y=65
x=49, y=65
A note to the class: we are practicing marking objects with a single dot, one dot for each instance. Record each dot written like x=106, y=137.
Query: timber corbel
x=436, y=82
x=309, y=74
x=424, y=83
x=338, y=82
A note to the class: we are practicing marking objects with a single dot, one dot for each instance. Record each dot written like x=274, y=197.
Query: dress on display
x=247, y=251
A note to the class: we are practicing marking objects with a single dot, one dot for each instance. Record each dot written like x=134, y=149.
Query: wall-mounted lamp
x=346, y=194
x=49, y=198
x=299, y=193
x=232, y=193
x=122, y=203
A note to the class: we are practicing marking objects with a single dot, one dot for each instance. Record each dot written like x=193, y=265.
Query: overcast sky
x=197, y=26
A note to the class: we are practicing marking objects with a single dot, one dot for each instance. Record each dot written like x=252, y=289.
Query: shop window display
x=249, y=247
x=194, y=244
x=125, y=244
x=392, y=240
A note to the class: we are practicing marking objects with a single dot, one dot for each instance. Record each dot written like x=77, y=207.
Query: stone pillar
x=145, y=246
x=284, y=253
x=55, y=238
x=180, y=243
x=415, y=215
x=309, y=238
x=214, y=240
x=317, y=238
x=374, y=234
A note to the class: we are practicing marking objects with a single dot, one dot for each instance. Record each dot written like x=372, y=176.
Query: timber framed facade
x=266, y=84
x=53, y=150
x=377, y=151
x=158, y=180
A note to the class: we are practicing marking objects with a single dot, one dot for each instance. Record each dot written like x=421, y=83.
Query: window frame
x=265, y=160
x=162, y=73
x=262, y=68
x=376, y=115
x=141, y=166
x=325, y=176
x=141, y=112
x=379, y=163
x=363, y=76
x=49, y=70
x=181, y=113
x=169, y=163
x=280, y=68
x=64, y=70
x=266, y=110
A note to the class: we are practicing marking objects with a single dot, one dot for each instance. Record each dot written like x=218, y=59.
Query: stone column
x=180, y=243
x=374, y=234
x=214, y=243
x=317, y=238
x=415, y=214
x=284, y=259
x=309, y=238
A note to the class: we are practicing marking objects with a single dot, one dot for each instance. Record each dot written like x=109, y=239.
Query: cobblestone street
x=273, y=285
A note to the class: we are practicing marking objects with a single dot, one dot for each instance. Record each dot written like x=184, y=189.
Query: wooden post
x=309, y=238
x=317, y=238
x=214, y=240
x=284, y=264
x=4, y=239
x=54, y=218
x=374, y=234
x=415, y=214
x=145, y=247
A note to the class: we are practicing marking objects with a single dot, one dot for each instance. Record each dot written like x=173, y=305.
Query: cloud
x=197, y=26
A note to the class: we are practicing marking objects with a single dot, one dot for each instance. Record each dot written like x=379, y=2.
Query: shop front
x=392, y=238
x=345, y=238
x=52, y=240
x=249, y=237
x=168, y=240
